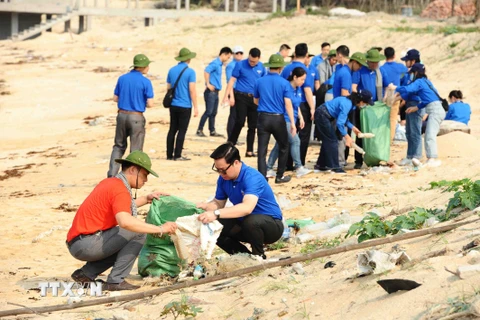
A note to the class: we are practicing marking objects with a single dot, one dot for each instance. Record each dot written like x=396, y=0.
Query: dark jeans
x=272, y=124
x=256, y=229
x=326, y=125
x=231, y=121
x=244, y=109
x=357, y=123
x=211, y=109
x=128, y=125
x=179, y=120
x=114, y=248
x=305, y=133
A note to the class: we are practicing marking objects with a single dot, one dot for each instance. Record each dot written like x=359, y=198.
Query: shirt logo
x=259, y=71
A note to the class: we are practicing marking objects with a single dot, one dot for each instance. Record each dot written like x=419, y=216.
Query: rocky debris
x=442, y=9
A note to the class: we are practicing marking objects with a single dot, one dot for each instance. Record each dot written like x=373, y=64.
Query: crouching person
x=255, y=218
x=105, y=231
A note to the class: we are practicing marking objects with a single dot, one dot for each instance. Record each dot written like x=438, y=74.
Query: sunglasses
x=239, y=53
x=221, y=171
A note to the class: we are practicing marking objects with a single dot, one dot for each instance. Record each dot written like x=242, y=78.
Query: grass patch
x=280, y=244
x=447, y=30
x=319, y=244
x=453, y=44
x=323, y=11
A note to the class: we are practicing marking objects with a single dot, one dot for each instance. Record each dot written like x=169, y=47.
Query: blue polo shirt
x=314, y=73
x=271, y=91
x=296, y=97
x=339, y=108
x=215, y=71
x=330, y=81
x=394, y=72
x=366, y=79
x=249, y=181
x=133, y=90
x=316, y=61
x=404, y=81
x=228, y=71
x=419, y=87
x=459, y=111
x=342, y=80
x=182, y=97
x=309, y=82
x=246, y=75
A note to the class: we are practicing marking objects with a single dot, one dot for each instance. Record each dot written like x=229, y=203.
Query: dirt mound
x=458, y=145
x=442, y=9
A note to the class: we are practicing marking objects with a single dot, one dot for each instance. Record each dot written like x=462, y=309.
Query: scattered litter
x=298, y=268
x=400, y=133
x=329, y=264
x=374, y=261
x=198, y=272
x=366, y=135
x=238, y=261
x=340, y=11
x=67, y=207
x=430, y=222
x=286, y=204
x=47, y=233
x=96, y=121
x=373, y=170
x=394, y=285
x=72, y=300
x=471, y=245
x=474, y=256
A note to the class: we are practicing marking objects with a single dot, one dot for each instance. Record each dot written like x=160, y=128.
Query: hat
x=332, y=53
x=366, y=96
x=377, y=48
x=139, y=158
x=412, y=54
x=237, y=49
x=417, y=67
x=373, y=55
x=141, y=61
x=185, y=55
x=275, y=61
x=360, y=58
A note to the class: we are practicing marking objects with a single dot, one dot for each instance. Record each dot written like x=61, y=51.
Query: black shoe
x=250, y=155
x=200, y=133
x=169, y=158
x=339, y=171
x=357, y=166
x=80, y=277
x=283, y=179
x=214, y=134
x=318, y=169
x=124, y=285
x=182, y=159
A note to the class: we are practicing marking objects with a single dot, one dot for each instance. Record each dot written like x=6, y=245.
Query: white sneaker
x=416, y=163
x=432, y=163
x=271, y=174
x=405, y=162
x=302, y=171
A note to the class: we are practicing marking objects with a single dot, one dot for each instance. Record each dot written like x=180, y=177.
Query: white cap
x=237, y=49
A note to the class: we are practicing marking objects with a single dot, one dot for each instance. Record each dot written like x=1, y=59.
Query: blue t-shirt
x=228, y=71
x=330, y=81
x=314, y=73
x=419, y=87
x=394, y=72
x=215, y=71
x=271, y=91
x=133, y=90
x=249, y=181
x=246, y=75
x=316, y=61
x=296, y=97
x=459, y=111
x=309, y=82
x=342, y=80
x=182, y=97
x=366, y=79
x=339, y=108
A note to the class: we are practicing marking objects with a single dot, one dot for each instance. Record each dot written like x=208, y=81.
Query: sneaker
x=416, y=163
x=432, y=163
x=271, y=174
x=317, y=169
x=357, y=166
x=302, y=171
x=283, y=179
x=124, y=285
x=405, y=162
x=214, y=134
x=339, y=171
x=200, y=133
x=182, y=159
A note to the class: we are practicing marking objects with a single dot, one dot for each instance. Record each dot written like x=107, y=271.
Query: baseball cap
x=237, y=49
x=366, y=96
x=412, y=54
x=417, y=67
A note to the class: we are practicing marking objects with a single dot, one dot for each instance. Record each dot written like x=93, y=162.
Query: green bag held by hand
x=158, y=255
x=376, y=119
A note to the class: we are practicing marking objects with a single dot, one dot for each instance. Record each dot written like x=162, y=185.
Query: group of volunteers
x=280, y=99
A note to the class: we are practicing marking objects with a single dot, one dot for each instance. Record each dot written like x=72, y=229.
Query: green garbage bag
x=376, y=119
x=158, y=255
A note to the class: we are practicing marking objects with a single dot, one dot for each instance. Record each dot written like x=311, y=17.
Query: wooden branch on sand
x=236, y=273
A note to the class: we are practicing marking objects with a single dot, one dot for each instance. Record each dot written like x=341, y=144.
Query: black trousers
x=326, y=125
x=305, y=133
x=231, y=121
x=179, y=120
x=357, y=123
x=256, y=229
x=244, y=109
x=272, y=124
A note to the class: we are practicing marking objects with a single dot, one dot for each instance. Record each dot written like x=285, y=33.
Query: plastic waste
x=315, y=228
x=286, y=231
x=366, y=135
x=197, y=272
x=374, y=261
x=298, y=268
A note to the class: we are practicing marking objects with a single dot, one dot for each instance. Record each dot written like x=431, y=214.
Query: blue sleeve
x=236, y=70
x=309, y=82
x=346, y=82
x=342, y=120
x=148, y=89
x=220, y=194
x=449, y=114
x=317, y=75
x=412, y=88
x=264, y=73
x=356, y=77
x=192, y=77
x=228, y=72
x=211, y=67
x=117, y=88
x=385, y=78
x=256, y=94
x=288, y=91
x=349, y=125
x=256, y=185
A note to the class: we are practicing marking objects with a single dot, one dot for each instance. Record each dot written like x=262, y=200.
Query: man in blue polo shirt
x=255, y=217
x=273, y=94
x=307, y=106
x=322, y=56
x=237, y=57
x=342, y=83
x=133, y=93
x=213, y=84
x=244, y=75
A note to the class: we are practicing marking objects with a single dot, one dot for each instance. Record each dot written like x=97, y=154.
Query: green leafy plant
x=413, y=220
x=467, y=193
x=280, y=244
x=370, y=227
x=181, y=308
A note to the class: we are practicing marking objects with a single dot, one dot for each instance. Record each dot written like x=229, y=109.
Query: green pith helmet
x=139, y=158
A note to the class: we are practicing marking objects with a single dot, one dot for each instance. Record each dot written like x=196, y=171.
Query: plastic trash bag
x=374, y=261
x=376, y=119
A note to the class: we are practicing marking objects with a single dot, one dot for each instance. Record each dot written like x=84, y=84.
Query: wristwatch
x=217, y=213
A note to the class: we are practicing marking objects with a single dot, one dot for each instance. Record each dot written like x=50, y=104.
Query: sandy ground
x=50, y=156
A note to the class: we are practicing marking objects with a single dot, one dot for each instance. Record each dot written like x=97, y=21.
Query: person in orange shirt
x=105, y=231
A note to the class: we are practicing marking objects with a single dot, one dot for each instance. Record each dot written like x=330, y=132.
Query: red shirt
x=98, y=210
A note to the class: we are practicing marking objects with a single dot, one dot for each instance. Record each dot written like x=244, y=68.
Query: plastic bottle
x=197, y=272
x=315, y=228
x=286, y=231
